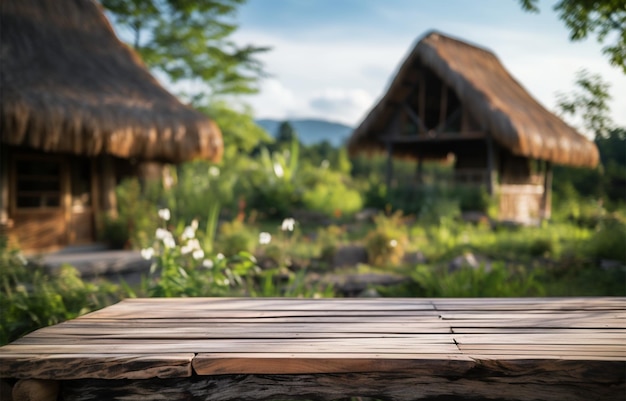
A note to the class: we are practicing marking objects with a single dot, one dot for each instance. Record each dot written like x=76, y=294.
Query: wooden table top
x=176, y=337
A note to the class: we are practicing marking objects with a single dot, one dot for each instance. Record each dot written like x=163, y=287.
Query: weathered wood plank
x=94, y=364
x=329, y=363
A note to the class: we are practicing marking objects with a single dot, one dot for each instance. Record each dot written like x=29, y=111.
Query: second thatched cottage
x=450, y=97
x=79, y=110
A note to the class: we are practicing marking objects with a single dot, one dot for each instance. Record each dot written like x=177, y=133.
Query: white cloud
x=275, y=100
x=344, y=105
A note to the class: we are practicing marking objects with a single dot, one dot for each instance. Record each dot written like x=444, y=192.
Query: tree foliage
x=589, y=102
x=286, y=134
x=240, y=132
x=605, y=18
x=190, y=40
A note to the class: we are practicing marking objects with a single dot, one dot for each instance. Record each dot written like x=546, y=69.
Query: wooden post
x=66, y=198
x=389, y=175
x=443, y=107
x=491, y=178
x=546, y=200
x=96, y=197
x=421, y=103
x=109, y=198
x=4, y=189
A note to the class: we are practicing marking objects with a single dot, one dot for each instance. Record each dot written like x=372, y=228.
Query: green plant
x=499, y=280
x=31, y=298
x=115, y=232
x=329, y=192
x=385, y=245
x=135, y=214
x=609, y=241
x=181, y=267
x=284, y=283
x=234, y=237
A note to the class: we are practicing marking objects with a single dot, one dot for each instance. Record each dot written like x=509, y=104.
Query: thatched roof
x=69, y=85
x=498, y=103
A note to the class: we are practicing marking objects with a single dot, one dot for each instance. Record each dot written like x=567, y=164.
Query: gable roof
x=70, y=86
x=498, y=103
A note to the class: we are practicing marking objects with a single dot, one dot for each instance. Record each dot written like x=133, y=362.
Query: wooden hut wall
x=51, y=199
x=522, y=188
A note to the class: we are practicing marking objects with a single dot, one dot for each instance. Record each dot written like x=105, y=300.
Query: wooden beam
x=421, y=105
x=442, y=125
x=443, y=105
x=442, y=137
x=546, y=200
x=421, y=128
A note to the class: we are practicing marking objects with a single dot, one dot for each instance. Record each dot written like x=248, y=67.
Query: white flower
x=188, y=233
x=197, y=254
x=325, y=164
x=165, y=236
x=220, y=256
x=278, y=170
x=162, y=233
x=214, y=171
x=194, y=224
x=169, y=242
x=165, y=214
x=22, y=259
x=208, y=263
x=265, y=238
x=393, y=243
x=147, y=253
x=191, y=246
x=288, y=224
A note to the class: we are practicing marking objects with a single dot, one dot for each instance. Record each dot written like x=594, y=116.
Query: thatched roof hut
x=496, y=101
x=70, y=86
x=79, y=111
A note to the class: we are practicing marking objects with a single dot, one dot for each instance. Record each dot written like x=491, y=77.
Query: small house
x=452, y=98
x=79, y=111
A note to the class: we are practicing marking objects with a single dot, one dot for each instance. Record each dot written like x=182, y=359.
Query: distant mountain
x=312, y=131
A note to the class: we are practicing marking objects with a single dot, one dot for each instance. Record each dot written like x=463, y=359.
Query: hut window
x=37, y=184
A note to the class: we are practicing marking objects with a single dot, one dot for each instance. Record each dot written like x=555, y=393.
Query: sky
x=333, y=59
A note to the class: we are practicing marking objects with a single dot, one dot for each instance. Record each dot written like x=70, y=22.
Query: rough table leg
x=36, y=390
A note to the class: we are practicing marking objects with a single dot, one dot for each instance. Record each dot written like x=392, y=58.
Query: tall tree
x=190, y=40
x=606, y=18
x=286, y=135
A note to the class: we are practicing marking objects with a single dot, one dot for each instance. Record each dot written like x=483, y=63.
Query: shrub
x=609, y=242
x=135, y=214
x=385, y=245
x=329, y=192
x=115, y=232
x=31, y=298
x=499, y=280
x=234, y=237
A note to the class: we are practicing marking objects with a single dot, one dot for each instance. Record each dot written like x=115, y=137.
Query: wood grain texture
x=196, y=348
